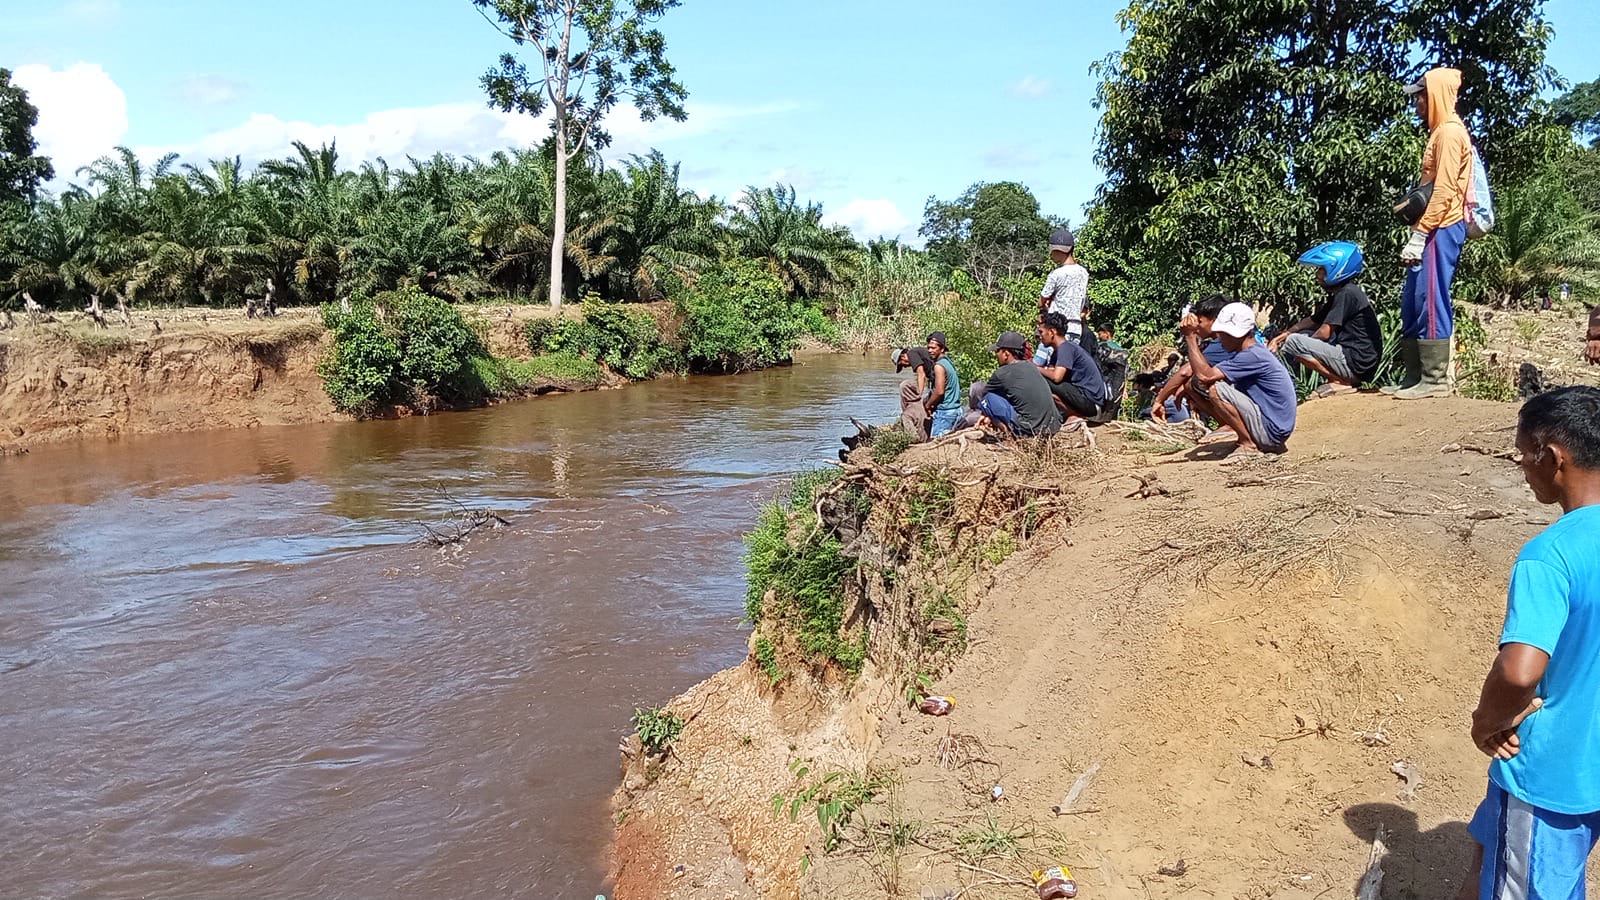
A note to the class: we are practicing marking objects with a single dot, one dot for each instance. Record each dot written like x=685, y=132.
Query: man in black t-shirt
x=919, y=359
x=1017, y=395
x=1341, y=341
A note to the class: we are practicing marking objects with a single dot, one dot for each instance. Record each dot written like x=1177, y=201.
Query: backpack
x=1113, y=365
x=1480, y=203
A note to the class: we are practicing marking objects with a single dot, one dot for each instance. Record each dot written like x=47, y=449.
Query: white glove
x=1412, y=253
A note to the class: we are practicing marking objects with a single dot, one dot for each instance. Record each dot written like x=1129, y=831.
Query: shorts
x=1254, y=422
x=1300, y=344
x=944, y=420
x=1531, y=853
x=1077, y=399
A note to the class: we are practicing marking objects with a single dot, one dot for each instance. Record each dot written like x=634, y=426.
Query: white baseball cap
x=1236, y=319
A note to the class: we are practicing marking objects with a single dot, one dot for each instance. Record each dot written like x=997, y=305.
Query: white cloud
x=210, y=90
x=94, y=12
x=1031, y=86
x=82, y=113
x=871, y=219
x=1010, y=157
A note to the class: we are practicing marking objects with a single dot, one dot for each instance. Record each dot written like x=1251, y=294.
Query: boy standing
x=1538, y=713
x=1066, y=291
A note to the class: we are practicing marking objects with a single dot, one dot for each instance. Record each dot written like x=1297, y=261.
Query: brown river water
x=228, y=670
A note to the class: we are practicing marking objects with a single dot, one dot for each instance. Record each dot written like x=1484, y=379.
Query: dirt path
x=1244, y=660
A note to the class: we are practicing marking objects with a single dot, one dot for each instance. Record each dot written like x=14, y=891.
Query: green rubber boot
x=1412, y=361
x=1435, y=381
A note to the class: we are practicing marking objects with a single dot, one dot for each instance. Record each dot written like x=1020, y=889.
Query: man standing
x=1430, y=254
x=1537, y=715
x=1250, y=391
x=1073, y=374
x=944, y=403
x=1066, y=291
x=1341, y=341
x=1016, y=395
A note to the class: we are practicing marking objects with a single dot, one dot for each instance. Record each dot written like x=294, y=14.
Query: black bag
x=1413, y=204
x=1113, y=365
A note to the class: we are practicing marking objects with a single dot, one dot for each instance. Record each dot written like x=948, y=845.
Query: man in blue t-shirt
x=1539, y=713
x=1074, y=376
x=1250, y=391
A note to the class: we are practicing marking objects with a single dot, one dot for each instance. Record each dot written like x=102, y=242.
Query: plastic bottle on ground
x=1055, y=883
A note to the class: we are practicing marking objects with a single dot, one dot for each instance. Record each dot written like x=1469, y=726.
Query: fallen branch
x=1372, y=879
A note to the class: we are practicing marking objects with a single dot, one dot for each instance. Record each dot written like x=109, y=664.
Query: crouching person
x=1017, y=396
x=1249, y=391
x=1075, y=380
x=1342, y=340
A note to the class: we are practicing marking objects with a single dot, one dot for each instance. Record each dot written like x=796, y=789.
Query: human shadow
x=1421, y=865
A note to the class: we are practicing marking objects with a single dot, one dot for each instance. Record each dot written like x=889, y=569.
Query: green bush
x=658, y=729
x=360, y=369
x=399, y=347
x=805, y=568
x=738, y=317
x=625, y=340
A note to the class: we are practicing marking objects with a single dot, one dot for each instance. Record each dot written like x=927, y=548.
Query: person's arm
x=1158, y=407
x=1055, y=373
x=939, y=385
x=1203, y=369
x=1591, y=350
x=1304, y=325
x=1507, y=699
x=1452, y=172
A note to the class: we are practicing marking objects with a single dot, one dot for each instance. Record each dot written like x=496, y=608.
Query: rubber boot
x=1410, y=358
x=1435, y=372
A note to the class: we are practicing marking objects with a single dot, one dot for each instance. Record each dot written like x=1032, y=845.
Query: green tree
x=992, y=232
x=659, y=230
x=21, y=170
x=1541, y=238
x=1579, y=109
x=1237, y=133
x=592, y=54
x=771, y=225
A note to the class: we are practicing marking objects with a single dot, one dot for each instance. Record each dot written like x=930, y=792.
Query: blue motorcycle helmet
x=1339, y=261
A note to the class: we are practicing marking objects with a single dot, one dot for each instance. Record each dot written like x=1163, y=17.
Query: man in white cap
x=1249, y=390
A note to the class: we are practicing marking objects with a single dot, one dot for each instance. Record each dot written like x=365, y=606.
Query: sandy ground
x=1245, y=659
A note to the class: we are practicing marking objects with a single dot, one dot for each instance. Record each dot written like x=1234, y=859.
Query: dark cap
x=1010, y=340
x=1062, y=239
x=937, y=337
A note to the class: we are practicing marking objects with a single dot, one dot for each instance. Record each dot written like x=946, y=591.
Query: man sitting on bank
x=1342, y=340
x=1074, y=377
x=1017, y=396
x=1251, y=391
x=1174, y=394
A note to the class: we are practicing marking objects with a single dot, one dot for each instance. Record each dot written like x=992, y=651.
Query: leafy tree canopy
x=21, y=171
x=992, y=231
x=1579, y=109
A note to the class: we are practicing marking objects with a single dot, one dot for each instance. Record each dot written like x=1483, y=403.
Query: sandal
x=1331, y=389
x=1242, y=454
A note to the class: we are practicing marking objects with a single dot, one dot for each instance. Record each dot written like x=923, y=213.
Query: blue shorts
x=998, y=409
x=1531, y=853
x=944, y=421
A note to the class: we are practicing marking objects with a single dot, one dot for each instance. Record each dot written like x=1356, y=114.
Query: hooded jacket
x=1447, y=161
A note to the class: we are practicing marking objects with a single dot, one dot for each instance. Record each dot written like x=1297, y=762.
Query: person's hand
x=1158, y=412
x=1277, y=341
x=1190, y=324
x=1411, y=253
x=1503, y=742
x=1264, y=317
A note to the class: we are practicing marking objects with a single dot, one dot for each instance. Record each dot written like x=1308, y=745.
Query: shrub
x=658, y=729
x=738, y=317
x=401, y=346
x=627, y=341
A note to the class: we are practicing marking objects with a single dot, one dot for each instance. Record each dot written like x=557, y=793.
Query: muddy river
x=228, y=670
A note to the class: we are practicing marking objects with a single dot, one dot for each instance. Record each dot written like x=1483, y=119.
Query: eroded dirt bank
x=202, y=369
x=1242, y=657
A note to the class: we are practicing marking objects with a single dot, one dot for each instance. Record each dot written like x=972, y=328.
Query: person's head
x=1207, y=308
x=1558, y=439
x=1335, y=262
x=1434, y=95
x=1062, y=241
x=1234, y=326
x=936, y=345
x=1009, y=347
x=1104, y=332
x=1052, y=329
x=900, y=358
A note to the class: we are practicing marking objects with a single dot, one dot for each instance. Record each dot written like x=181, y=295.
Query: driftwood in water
x=462, y=526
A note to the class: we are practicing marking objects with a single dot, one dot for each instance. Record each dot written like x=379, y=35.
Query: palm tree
x=769, y=224
x=660, y=229
x=508, y=222
x=1541, y=238
x=315, y=210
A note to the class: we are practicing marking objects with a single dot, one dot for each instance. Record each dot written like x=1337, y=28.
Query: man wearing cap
x=1017, y=395
x=1250, y=391
x=918, y=359
x=1066, y=291
x=1427, y=319
x=944, y=402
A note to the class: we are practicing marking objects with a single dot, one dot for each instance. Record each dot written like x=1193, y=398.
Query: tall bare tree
x=592, y=54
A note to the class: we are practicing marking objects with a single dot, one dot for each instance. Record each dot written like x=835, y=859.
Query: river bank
x=1237, y=665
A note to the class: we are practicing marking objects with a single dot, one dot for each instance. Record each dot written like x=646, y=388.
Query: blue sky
x=867, y=106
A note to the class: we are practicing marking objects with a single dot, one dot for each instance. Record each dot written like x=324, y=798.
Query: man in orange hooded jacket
x=1426, y=317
